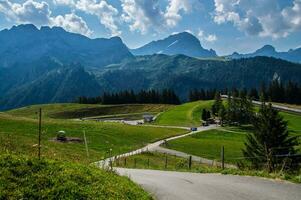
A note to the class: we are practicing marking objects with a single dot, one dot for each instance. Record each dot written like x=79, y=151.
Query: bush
x=61, y=136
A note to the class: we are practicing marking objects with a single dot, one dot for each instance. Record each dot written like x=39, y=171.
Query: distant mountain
x=181, y=43
x=293, y=55
x=26, y=44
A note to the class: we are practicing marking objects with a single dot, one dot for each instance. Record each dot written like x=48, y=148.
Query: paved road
x=150, y=147
x=165, y=185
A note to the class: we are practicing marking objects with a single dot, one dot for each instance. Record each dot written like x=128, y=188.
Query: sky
x=223, y=25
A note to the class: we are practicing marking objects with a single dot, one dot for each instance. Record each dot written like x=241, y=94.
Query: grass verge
x=156, y=161
x=24, y=178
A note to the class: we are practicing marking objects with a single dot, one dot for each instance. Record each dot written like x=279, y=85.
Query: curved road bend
x=152, y=146
x=165, y=185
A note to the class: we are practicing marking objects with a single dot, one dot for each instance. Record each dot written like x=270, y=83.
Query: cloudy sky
x=223, y=25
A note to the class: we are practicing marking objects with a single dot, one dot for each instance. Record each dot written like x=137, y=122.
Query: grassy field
x=208, y=144
x=71, y=111
x=188, y=114
x=24, y=178
x=18, y=134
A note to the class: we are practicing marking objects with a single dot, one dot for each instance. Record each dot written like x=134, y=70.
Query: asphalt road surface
x=165, y=185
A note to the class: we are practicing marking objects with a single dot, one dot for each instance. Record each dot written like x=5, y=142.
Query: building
x=148, y=118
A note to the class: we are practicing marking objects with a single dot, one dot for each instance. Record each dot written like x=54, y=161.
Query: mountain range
x=50, y=65
x=293, y=55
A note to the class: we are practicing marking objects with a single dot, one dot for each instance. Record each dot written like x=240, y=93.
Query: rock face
x=181, y=43
x=293, y=55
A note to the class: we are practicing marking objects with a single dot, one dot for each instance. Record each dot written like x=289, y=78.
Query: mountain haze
x=293, y=55
x=26, y=43
x=181, y=43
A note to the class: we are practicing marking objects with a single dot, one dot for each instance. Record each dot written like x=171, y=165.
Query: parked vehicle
x=193, y=129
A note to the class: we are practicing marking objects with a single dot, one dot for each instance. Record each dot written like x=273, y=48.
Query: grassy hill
x=24, y=178
x=73, y=110
x=18, y=133
x=188, y=114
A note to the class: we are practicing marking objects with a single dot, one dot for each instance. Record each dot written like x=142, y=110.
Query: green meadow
x=188, y=114
x=19, y=133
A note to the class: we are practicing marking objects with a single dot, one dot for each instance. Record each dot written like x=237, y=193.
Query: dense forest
x=165, y=96
x=276, y=91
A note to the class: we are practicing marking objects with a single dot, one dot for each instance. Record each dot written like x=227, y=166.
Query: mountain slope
x=270, y=51
x=59, y=85
x=26, y=43
x=181, y=43
x=184, y=73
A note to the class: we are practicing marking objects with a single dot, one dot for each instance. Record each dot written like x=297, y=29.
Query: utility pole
x=40, y=128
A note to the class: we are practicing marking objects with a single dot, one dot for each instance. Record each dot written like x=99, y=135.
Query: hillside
x=18, y=132
x=183, y=73
x=181, y=43
x=180, y=73
x=59, y=85
x=29, y=178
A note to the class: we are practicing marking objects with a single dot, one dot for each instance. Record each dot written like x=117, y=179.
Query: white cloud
x=28, y=12
x=145, y=15
x=63, y=2
x=206, y=37
x=72, y=23
x=172, y=14
x=38, y=13
x=106, y=13
x=260, y=17
x=142, y=14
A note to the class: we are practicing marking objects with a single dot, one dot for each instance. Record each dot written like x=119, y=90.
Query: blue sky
x=223, y=25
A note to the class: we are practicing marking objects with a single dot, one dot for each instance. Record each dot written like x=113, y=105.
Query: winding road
x=151, y=147
x=164, y=185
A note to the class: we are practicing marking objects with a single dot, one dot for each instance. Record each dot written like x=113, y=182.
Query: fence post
x=165, y=161
x=40, y=128
x=111, y=164
x=223, y=157
x=190, y=162
x=125, y=161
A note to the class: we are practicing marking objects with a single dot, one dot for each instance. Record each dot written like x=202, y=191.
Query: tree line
x=276, y=91
x=166, y=96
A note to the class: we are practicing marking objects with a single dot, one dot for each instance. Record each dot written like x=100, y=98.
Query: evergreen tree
x=204, y=115
x=217, y=104
x=270, y=144
x=222, y=114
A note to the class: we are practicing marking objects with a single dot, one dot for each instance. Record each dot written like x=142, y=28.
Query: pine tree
x=217, y=104
x=222, y=114
x=270, y=144
x=204, y=115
